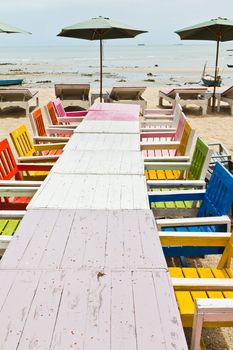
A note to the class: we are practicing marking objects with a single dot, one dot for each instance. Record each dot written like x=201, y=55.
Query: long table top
x=101, y=142
x=100, y=162
x=108, y=127
x=88, y=309
x=74, y=191
x=65, y=239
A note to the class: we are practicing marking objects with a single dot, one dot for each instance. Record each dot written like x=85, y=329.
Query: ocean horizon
x=150, y=65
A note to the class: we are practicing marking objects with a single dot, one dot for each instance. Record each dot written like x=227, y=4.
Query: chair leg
x=160, y=102
x=196, y=330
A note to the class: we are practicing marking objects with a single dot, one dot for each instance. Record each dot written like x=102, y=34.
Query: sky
x=45, y=18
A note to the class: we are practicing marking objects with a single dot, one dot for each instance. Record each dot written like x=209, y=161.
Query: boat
x=230, y=65
x=7, y=82
x=209, y=80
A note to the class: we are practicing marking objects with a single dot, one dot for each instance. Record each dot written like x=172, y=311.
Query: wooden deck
x=85, y=268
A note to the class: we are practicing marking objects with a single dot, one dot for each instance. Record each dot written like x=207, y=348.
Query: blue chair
x=211, y=217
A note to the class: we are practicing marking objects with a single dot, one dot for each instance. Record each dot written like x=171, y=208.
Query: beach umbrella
x=5, y=28
x=219, y=29
x=100, y=28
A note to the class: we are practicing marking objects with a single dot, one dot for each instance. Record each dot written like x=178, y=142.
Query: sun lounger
x=73, y=95
x=227, y=96
x=188, y=96
x=18, y=98
x=128, y=94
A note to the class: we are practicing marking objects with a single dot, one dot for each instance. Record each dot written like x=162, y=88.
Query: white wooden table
x=100, y=142
x=108, y=127
x=74, y=239
x=88, y=309
x=74, y=191
x=100, y=162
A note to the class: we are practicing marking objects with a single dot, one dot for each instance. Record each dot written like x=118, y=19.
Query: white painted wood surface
x=73, y=191
x=101, y=142
x=100, y=162
x=92, y=309
x=108, y=127
x=85, y=239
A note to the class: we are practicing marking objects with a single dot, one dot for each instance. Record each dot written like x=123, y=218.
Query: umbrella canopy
x=100, y=28
x=219, y=29
x=5, y=28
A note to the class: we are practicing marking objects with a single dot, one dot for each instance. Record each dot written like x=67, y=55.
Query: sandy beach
x=211, y=127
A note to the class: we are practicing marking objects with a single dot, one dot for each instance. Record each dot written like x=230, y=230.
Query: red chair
x=12, y=176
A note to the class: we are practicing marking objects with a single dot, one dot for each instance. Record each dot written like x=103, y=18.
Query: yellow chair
x=202, y=282
x=30, y=152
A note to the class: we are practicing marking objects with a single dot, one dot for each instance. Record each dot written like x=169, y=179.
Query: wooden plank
x=14, y=312
x=40, y=322
x=108, y=127
x=91, y=192
x=132, y=108
x=101, y=142
x=100, y=162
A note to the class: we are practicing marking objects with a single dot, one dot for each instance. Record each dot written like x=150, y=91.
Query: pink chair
x=62, y=113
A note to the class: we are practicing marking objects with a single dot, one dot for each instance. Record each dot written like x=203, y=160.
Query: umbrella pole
x=101, y=68
x=215, y=76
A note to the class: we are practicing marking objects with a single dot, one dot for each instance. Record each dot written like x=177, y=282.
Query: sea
x=155, y=65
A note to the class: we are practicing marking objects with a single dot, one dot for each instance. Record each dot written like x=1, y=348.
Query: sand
x=212, y=127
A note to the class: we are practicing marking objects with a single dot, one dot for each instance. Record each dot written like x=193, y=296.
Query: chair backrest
x=8, y=166
x=51, y=112
x=219, y=194
x=127, y=93
x=22, y=142
x=59, y=108
x=180, y=126
x=72, y=91
x=186, y=140
x=200, y=160
x=37, y=123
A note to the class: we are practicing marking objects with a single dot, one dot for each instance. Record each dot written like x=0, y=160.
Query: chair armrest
x=166, y=166
x=59, y=131
x=38, y=139
x=12, y=214
x=199, y=221
x=19, y=183
x=34, y=166
x=17, y=191
x=197, y=239
x=69, y=120
x=202, y=284
x=167, y=159
x=76, y=114
x=159, y=145
x=156, y=134
x=35, y=159
x=172, y=196
x=158, y=111
x=175, y=183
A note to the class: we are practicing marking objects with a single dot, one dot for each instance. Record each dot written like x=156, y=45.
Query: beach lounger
x=128, y=94
x=18, y=98
x=212, y=215
x=73, y=95
x=227, y=97
x=188, y=96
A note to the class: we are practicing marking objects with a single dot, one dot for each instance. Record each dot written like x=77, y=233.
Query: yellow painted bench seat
x=185, y=299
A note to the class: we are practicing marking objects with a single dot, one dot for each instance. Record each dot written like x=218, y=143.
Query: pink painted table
x=132, y=108
x=88, y=309
x=112, y=111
